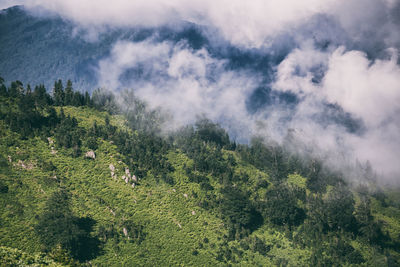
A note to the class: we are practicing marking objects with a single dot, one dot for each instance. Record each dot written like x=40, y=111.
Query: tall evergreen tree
x=58, y=93
x=41, y=97
x=16, y=89
x=69, y=94
x=78, y=99
x=87, y=100
x=3, y=88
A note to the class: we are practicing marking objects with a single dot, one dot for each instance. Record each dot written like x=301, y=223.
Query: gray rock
x=90, y=154
x=112, y=168
x=125, y=231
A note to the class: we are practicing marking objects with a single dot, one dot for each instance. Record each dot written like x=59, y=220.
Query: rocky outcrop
x=111, y=211
x=26, y=166
x=51, y=141
x=125, y=232
x=90, y=154
x=112, y=169
x=128, y=178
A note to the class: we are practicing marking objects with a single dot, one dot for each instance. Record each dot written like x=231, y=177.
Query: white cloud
x=184, y=82
x=369, y=90
x=294, y=73
x=125, y=55
x=245, y=23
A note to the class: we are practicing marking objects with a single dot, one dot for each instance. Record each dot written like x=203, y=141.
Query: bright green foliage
x=297, y=180
x=197, y=198
x=15, y=257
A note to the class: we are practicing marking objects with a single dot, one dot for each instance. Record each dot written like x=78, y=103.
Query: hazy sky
x=8, y=3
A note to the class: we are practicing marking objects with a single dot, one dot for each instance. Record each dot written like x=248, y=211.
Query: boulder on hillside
x=125, y=231
x=51, y=141
x=90, y=154
x=112, y=168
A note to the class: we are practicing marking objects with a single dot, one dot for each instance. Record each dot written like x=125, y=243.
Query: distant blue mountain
x=41, y=49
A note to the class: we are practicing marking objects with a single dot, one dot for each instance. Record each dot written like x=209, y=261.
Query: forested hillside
x=84, y=181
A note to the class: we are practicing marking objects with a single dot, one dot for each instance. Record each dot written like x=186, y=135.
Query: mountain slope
x=174, y=226
x=198, y=198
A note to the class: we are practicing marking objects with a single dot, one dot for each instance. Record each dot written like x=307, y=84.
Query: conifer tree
x=3, y=88
x=58, y=93
x=69, y=94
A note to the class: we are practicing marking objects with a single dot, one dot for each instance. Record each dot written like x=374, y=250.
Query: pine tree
x=16, y=89
x=58, y=93
x=3, y=88
x=69, y=94
x=41, y=97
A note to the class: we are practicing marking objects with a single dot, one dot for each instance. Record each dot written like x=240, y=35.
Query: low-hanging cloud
x=182, y=81
x=340, y=62
x=244, y=23
x=187, y=83
x=369, y=90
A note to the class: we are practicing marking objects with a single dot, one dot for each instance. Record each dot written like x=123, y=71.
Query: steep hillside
x=88, y=187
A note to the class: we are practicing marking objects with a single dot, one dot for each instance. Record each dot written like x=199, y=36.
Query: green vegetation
x=15, y=257
x=83, y=183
